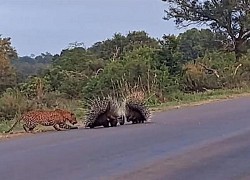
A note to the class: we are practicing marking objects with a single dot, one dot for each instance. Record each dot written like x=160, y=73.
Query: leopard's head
x=68, y=115
x=72, y=119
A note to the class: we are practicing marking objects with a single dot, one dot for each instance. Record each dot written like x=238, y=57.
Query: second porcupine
x=136, y=111
x=102, y=112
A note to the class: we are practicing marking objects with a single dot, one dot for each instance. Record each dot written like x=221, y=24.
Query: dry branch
x=210, y=70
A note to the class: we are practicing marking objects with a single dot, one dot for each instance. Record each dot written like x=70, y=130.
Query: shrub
x=12, y=103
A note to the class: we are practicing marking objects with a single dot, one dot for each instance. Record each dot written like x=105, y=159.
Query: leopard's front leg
x=29, y=126
x=56, y=127
x=66, y=126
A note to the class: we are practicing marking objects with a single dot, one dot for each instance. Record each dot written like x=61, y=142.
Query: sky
x=39, y=26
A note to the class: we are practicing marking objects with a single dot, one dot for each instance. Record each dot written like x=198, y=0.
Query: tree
x=228, y=17
x=45, y=58
x=195, y=43
x=110, y=48
x=116, y=47
x=71, y=70
x=7, y=72
x=169, y=55
x=27, y=66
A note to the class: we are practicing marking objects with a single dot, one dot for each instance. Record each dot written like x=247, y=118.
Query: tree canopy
x=118, y=45
x=231, y=18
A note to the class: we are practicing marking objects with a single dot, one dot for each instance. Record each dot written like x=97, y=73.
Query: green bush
x=199, y=77
x=13, y=102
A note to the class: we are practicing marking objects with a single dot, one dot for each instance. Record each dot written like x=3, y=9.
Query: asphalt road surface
x=210, y=141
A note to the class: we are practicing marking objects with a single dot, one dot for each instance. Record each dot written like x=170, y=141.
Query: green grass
x=5, y=125
x=175, y=100
x=183, y=99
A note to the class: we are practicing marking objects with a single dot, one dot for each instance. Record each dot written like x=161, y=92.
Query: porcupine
x=136, y=111
x=102, y=112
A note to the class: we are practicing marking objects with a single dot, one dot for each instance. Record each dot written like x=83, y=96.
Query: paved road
x=211, y=141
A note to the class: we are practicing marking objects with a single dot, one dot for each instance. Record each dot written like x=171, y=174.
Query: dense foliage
x=135, y=63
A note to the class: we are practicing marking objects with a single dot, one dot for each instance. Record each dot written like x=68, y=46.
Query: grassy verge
x=184, y=99
x=176, y=100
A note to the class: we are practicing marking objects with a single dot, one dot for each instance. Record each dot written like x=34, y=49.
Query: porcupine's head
x=102, y=111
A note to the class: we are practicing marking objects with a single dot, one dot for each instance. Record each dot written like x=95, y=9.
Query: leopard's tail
x=17, y=120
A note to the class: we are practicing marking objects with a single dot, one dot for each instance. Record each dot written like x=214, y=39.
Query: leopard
x=56, y=118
